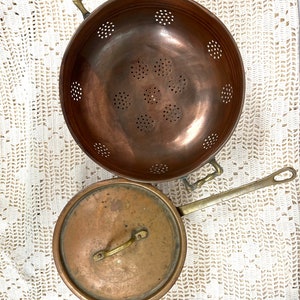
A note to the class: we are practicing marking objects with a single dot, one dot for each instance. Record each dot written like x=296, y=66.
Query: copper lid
x=119, y=240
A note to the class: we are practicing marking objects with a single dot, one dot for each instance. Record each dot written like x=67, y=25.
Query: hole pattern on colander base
x=159, y=169
x=102, y=150
x=179, y=85
x=227, y=93
x=122, y=100
x=152, y=95
x=164, y=17
x=172, y=113
x=139, y=70
x=214, y=49
x=210, y=141
x=106, y=30
x=145, y=123
x=163, y=67
x=76, y=91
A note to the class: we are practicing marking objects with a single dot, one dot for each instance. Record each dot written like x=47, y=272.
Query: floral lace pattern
x=247, y=248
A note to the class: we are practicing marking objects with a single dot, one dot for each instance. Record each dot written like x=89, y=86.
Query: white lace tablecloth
x=247, y=248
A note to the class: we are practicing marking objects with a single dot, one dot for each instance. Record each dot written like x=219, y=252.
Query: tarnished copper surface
x=151, y=90
x=119, y=239
x=103, y=217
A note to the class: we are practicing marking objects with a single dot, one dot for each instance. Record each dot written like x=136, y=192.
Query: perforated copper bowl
x=152, y=90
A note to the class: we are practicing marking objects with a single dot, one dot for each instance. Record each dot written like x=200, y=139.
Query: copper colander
x=152, y=90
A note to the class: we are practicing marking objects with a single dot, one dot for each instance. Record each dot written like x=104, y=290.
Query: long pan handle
x=272, y=179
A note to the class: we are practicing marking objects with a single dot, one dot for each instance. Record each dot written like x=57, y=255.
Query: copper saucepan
x=152, y=89
x=119, y=239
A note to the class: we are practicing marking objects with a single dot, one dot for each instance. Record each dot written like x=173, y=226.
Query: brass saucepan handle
x=81, y=7
x=272, y=179
x=136, y=235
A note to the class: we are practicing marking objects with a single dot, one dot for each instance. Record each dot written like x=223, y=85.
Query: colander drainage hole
x=76, y=91
x=139, y=70
x=164, y=17
x=214, y=49
x=122, y=100
x=152, y=95
x=159, y=169
x=227, y=93
x=102, y=150
x=163, y=67
x=106, y=30
x=210, y=141
x=172, y=113
x=145, y=123
x=179, y=85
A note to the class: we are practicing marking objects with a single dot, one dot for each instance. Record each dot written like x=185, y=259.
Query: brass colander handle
x=136, y=235
x=81, y=7
x=218, y=170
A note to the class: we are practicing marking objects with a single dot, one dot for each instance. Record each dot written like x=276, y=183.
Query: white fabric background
x=248, y=248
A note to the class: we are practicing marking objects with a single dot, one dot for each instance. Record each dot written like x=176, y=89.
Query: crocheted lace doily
x=247, y=248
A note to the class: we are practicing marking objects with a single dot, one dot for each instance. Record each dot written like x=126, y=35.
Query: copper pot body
x=103, y=217
x=152, y=90
x=120, y=239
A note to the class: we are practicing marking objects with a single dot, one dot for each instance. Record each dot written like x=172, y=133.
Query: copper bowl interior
x=152, y=90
